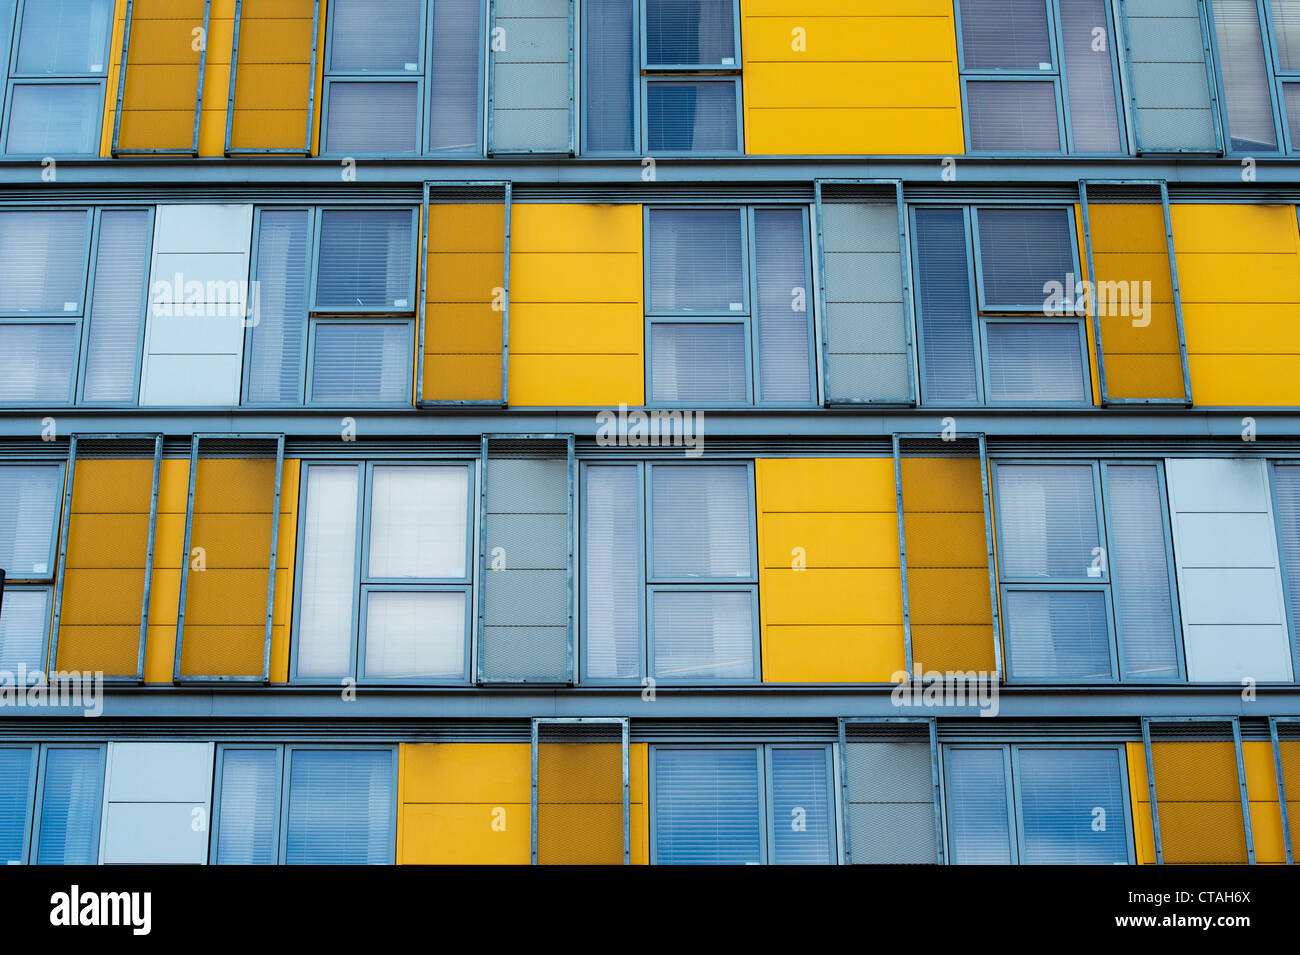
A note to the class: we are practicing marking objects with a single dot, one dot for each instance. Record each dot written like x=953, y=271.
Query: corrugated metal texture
x=532, y=84
x=890, y=795
x=1167, y=69
x=273, y=75
x=1198, y=799
x=579, y=798
x=162, y=74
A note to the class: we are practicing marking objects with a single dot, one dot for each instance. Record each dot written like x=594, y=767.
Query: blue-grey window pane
x=117, y=305
x=276, y=359
x=372, y=118
x=58, y=119
x=70, y=808
x=701, y=522
x=1047, y=522
x=376, y=35
x=1021, y=252
x=42, y=263
x=697, y=262
x=1057, y=634
x=340, y=808
x=611, y=74
x=37, y=362
x=703, y=635
x=707, y=807
x=30, y=496
x=1144, y=615
x=944, y=295
x=691, y=116
x=1074, y=807
x=1005, y=35
x=1035, y=362
x=250, y=813
x=612, y=585
x=1247, y=102
x=24, y=628
x=976, y=793
x=365, y=260
x=802, y=830
x=1286, y=480
x=1089, y=77
x=15, y=792
x=1291, y=106
x=781, y=306
x=1286, y=33
x=690, y=32
x=454, y=76
x=1012, y=116
x=704, y=362
x=361, y=362
x=64, y=36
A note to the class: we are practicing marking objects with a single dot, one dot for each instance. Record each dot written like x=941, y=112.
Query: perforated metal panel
x=1171, y=93
x=580, y=792
x=890, y=791
x=1286, y=752
x=530, y=91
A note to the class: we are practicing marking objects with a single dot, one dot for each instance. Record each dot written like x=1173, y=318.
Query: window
x=340, y=807
x=71, y=802
x=30, y=498
x=1286, y=505
x=1084, y=568
x=394, y=85
x=742, y=805
x=17, y=784
x=1040, y=76
x=680, y=538
x=1284, y=20
x=662, y=76
x=1037, y=805
x=726, y=300
x=384, y=579
x=997, y=323
x=57, y=70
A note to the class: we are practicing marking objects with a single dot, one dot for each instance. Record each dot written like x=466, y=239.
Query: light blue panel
x=117, y=306
x=1167, y=68
x=16, y=767
x=71, y=805
x=890, y=803
x=803, y=820
x=249, y=810
x=155, y=833
x=160, y=772
x=1073, y=807
x=707, y=807
x=56, y=119
x=531, y=79
x=945, y=299
x=978, y=819
x=340, y=808
x=158, y=796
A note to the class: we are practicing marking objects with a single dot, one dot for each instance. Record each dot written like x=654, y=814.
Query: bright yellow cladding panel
x=162, y=71
x=1129, y=250
x=1291, y=785
x=830, y=599
x=271, y=85
x=1265, y=814
x=947, y=564
x=1239, y=271
x=1089, y=332
x=1139, y=799
x=1199, y=803
x=583, y=261
x=173, y=487
x=850, y=78
x=463, y=311
x=111, y=80
x=580, y=803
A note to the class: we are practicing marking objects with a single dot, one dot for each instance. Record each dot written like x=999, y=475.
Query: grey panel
x=538, y=130
x=157, y=808
x=892, y=833
x=863, y=277
x=860, y=226
x=531, y=77
x=532, y=86
x=866, y=327
x=884, y=375
x=889, y=772
x=506, y=9
x=528, y=541
x=1167, y=66
x=538, y=654
x=534, y=39
x=528, y=486
x=526, y=598
x=890, y=802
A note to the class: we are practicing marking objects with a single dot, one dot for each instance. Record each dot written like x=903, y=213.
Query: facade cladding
x=650, y=431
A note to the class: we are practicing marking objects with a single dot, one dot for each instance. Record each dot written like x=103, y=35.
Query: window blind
x=683, y=116
x=703, y=635
x=37, y=362
x=701, y=522
x=42, y=263
x=707, y=807
x=278, y=348
x=1005, y=35
x=611, y=72
x=454, y=76
x=944, y=294
x=117, y=305
x=1089, y=76
x=340, y=807
x=690, y=32
x=802, y=818
x=697, y=262
x=15, y=793
x=1012, y=116
x=57, y=119
x=1286, y=484
x=29, y=511
x=1073, y=805
x=376, y=35
x=704, y=362
x=415, y=634
x=380, y=117
x=976, y=793
x=328, y=583
x=361, y=361
x=418, y=521
x=1244, y=75
x=1047, y=519
x=250, y=812
x=612, y=582
x=1021, y=251
x=1032, y=362
x=70, y=807
x=365, y=260
x=1057, y=634
x=781, y=306
x=24, y=629
x=64, y=36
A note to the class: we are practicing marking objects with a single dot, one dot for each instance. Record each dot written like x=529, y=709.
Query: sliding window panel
x=273, y=76
x=276, y=340
x=164, y=59
x=156, y=811
x=455, y=78
x=782, y=330
x=613, y=573
x=327, y=557
x=610, y=83
x=1244, y=77
x=1072, y=805
x=945, y=298
x=801, y=805
x=1172, y=94
x=531, y=73
x=977, y=791
x=115, y=322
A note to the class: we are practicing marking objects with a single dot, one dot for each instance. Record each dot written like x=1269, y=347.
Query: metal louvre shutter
x=707, y=806
x=340, y=808
x=1171, y=92
x=948, y=366
x=249, y=813
x=16, y=765
x=890, y=801
x=526, y=610
x=531, y=77
x=278, y=341
x=580, y=792
x=116, y=316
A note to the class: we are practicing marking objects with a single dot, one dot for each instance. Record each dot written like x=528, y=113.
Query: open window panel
x=526, y=542
x=464, y=319
x=580, y=792
x=889, y=781
x=156, y=113
x=225, y=615
x=106, y=555
x=1284, y=732
x=945, y=551
x=1196, y=783
x=531, y=74
x=864, y=298
x=1132, y=293
x=271, y=105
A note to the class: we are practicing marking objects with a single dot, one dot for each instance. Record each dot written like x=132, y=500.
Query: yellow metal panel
x=570, y=227
x=284, y=564
x=638, y=798
x=576, y=380
x=275, y=44
x=465, y=834
x=468, y=772
x=162, y=74
x=1291, y=785
x=1199, y=802
x=111, y=80
x=826, y=485
x=1265, y=813
x=564, y=277
x=169, y=543
x=832, y=596
x=579, y=803
x=1144, y=837
x=549, y=328
x=832, y=654
x=840, y=539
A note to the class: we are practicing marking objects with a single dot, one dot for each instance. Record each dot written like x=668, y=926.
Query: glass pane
x=15, y=795
x=781, y=306
x=1047, y=522
x=365, y=260
x=418, y=522
x=1247, y=101
x=57, y=120
x=340, y=808
x=976, y=792
x=70, y=807
x=1089, y=76
x=802, y=831
x=691, y=116
x=277, y=356
x=703, y=636
x=707, y=807
x=1035, y=362
x=1286, y=33
x=361, y=362
x=1057, y=635
x=372, y=118
x=1022, y=251
x=612, y=581
x=1012, y=116
x=1291, y=103
x=703, y=362
x=250, y=811
x=24, y=626
x=37, y=362
x=328, y=564
x=117, y=305
x=1286, y=484
x=454, y=76
x=944, y=296
x=30, y=497
x=611, y=74
x=701, y=521
x=380, y=35
x=64, y=36
x=690, y=32
x=42, y=263
x=415, y=634
x=697, y=261
x=1005, y=35
x=1074, y=807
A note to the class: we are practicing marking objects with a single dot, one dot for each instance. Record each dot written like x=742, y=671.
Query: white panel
x=1231, y=595
x=1219, y=485
x=204, y=228
x=160, y=772
x=191, y=380
x=155, y=833
x=1225, y=540
x=1232, y=654
x=157, y=803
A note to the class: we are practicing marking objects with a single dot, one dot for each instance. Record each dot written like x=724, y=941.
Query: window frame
x=287, y=790
x=34, y=847
x=218, y=780
x=232, y=150
x=1272, y=81
x=50, y=584
x=1293, y=624
x=25, y=854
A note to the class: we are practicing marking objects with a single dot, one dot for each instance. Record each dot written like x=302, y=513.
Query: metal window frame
x=492, y=149
x=33, y=766
x=177, y=675
x=761, y=796
x=821, y=316
x=250, y=330
x=101, y=795
x=977, y=338
x=634, y=114
x=1281, y=79
x=193, y=150
x=646, y=66
x=231, y=150
x=1266, y=64
x=832, y=816
x=286, y=789
x=1288, y=590
x=1092, y=304
x=684, y=79
x=1003, y=750
x=620, y=721
x=1274, y=738
x=218, y=781
x=365, y=322
x=318, y=309
x=1235, y=723
x=423, y=293
x=483, y=569
x=936, y=778
x=52, y=662
x=1037, y=311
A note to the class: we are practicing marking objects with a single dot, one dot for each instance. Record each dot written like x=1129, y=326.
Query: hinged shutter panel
x=890, y=801
x=1170, y=84
x=580, y=792
x=531, y=64
x=272, y=89
x=1198, y=794
x=158, y=110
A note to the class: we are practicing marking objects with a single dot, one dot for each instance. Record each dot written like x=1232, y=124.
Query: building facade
x=649, y=431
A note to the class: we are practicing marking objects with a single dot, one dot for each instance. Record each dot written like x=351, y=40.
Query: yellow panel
x=465, y=834
x=1199, y=802
x=832, y=596
x=826, y=484
x=284, y=564
x=932, y=131
x=164, y=594
x=162, y=74
x=467, y=772
x=111, y=80
x=565, y=227
x=1265, y=813
x=830, y=540
x=953, y=648
x=576, y=380
x=565, y=277
x=548, y=328
x=1291, y=785
x=580, y=803
x=638, y=786
x=832, y=654
x=466, y=227
x=954, y=539
x=1144, y=837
